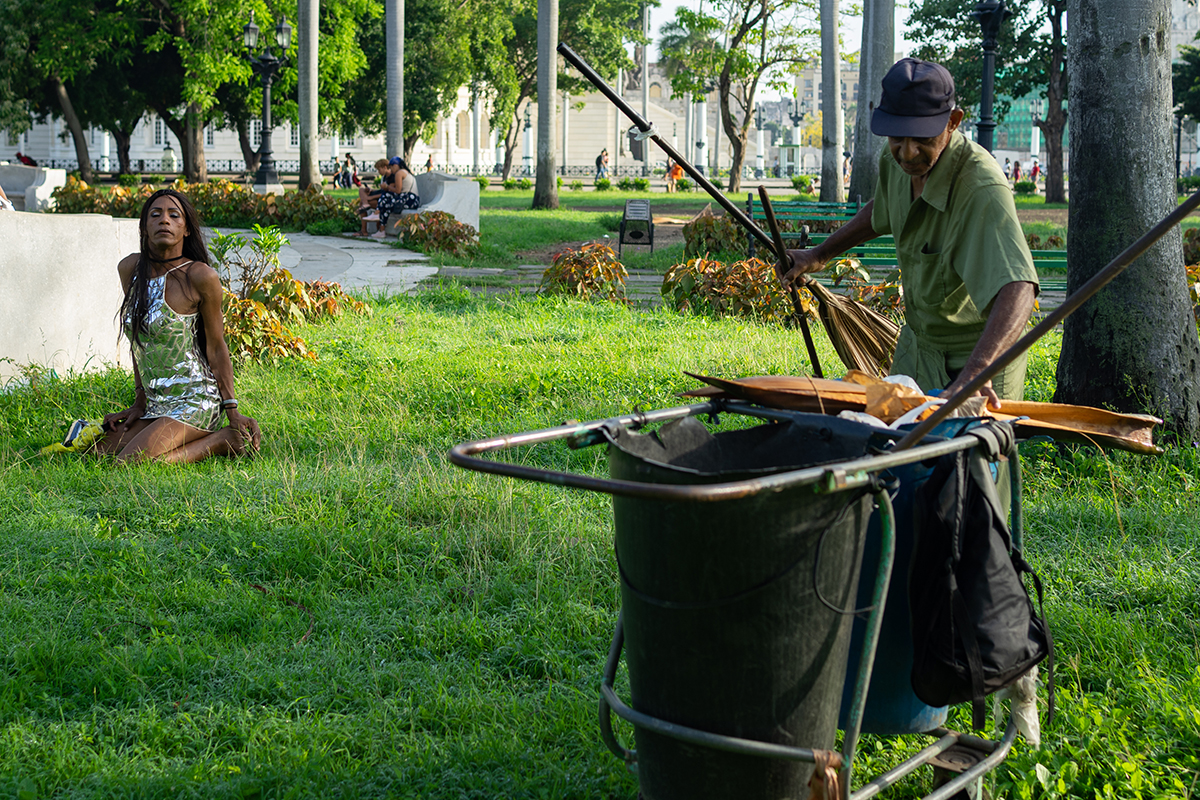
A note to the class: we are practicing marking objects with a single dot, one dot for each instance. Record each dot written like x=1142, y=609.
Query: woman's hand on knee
x=119, y=421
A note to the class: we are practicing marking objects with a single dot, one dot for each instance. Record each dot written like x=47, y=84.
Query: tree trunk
x=545, y=193
x=833, y=122
x=306, y=58
x=510, y=143
x=394, y=32
x=176, y=127
x=68, y=111
x=736, y=133
x=122, y=139
x=1133, y=347
x=195, y=168
x=875, y=59
x=249, y=154
x=1055, y=123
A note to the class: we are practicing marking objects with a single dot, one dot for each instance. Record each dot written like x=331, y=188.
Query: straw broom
x=863, y=338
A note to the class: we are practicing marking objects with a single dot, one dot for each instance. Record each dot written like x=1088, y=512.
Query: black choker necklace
x=164, y=260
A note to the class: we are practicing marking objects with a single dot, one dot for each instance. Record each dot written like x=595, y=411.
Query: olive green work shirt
x=958, y=245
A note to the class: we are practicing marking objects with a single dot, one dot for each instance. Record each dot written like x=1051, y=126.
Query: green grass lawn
x=348, y=615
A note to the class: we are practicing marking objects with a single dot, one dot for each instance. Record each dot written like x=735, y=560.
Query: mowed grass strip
x=349, y=615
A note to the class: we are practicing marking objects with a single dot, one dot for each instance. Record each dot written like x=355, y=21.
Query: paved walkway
x=369, y=264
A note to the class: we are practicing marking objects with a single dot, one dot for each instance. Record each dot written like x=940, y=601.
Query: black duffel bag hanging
x=974, y=628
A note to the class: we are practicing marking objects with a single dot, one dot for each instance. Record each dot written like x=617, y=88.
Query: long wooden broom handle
x=781, y=270
x=645, y=127
x=1069, y=306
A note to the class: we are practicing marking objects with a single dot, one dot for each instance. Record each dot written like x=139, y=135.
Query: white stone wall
x=59, y=290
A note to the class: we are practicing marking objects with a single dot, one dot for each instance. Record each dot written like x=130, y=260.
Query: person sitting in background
x=182, y=373
x=369, y=198
x=402, y=193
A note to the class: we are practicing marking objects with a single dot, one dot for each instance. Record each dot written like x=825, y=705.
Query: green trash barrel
x=725, y=627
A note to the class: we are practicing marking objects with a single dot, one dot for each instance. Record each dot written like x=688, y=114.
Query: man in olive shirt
x=968, y=278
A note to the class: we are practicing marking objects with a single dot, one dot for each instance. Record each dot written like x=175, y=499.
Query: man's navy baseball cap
x=918, y=97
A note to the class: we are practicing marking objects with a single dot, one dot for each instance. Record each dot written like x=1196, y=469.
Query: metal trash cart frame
x=828, y=478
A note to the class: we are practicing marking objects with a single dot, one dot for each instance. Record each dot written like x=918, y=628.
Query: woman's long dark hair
x=136, y=305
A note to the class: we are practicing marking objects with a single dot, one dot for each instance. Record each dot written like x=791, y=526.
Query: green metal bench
x=799, y=211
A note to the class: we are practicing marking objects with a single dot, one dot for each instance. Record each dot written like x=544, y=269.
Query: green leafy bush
x=747, y=288
x=683, y=185
x=717, y=182
x=802, y=183
x=559, y=181
x=483, y=182
x=128, y=179
x=525, y=184
x=603, y=185
x=155, y=178
x=218, y=202
x=437, y=231
x=707, y=233
x=325, y=227
x=591, y=271
x=1188, y=184
x=576, y=186
x=267, y=298
x=1053, y=242
x=641, y=184
x=625, y=184
x=1025, y=187
x=509, y=184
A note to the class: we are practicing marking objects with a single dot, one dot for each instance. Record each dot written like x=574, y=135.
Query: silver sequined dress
x=179, y=383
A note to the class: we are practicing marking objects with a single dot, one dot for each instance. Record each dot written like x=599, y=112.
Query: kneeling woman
x=181, y=366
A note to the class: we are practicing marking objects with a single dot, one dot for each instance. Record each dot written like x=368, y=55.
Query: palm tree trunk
x=875, y=58
x=394, y=28
x=832, y=117
x=310, y=170
x=545, y=193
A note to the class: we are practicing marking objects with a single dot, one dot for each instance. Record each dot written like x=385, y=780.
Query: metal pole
x=646, y=84
x=991, y=15
x=642, y=125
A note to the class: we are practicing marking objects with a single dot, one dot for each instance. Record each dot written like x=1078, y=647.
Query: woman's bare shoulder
x=128, y=264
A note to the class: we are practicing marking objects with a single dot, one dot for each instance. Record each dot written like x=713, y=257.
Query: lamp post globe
x=266, y=65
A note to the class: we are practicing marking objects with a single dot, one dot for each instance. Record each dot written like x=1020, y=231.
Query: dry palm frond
x=864, y=339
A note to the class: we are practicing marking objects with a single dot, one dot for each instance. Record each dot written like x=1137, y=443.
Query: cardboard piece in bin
x=1080, y=424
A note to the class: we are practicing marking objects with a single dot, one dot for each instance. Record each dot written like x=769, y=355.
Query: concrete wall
x=59, y=290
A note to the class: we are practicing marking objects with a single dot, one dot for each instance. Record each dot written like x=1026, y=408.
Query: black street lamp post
x=266, y=65
x=991, y=15
x=797, y=117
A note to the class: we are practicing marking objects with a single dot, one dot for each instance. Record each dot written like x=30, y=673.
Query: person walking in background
x=602, y=164
x=1008, y=168
x=429, y=163
x=1034, y=172
x=1016, y=171
x=673, y=176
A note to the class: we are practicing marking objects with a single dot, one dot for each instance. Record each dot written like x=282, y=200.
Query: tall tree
x=740, y=43
x=596, y=29
x=1032, y=59
x=52, y=42
x=545, y=195
x=1133, y=347
x=307, y=52
x=394, y=49
x=874, y=60
x=833, y=140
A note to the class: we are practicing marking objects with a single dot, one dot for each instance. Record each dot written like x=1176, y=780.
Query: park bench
x=800, y=212
x=458, y=197
x=30, y=188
